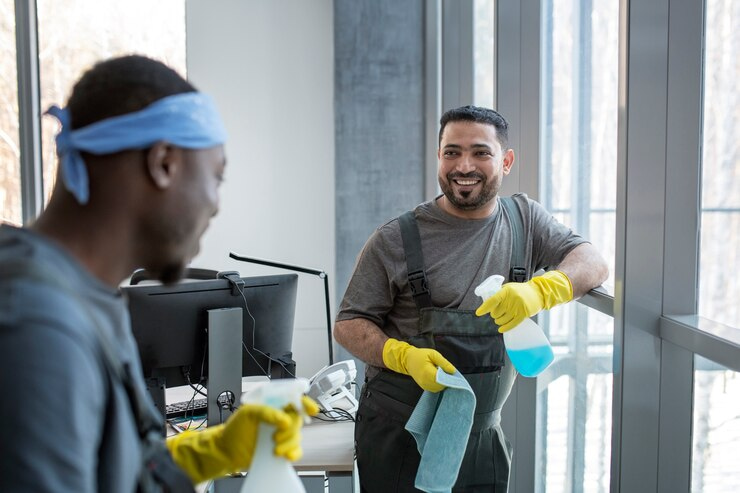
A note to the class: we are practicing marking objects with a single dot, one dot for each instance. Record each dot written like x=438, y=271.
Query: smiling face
x=471, y=167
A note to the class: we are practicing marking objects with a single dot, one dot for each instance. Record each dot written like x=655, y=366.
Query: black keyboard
x=195, y=407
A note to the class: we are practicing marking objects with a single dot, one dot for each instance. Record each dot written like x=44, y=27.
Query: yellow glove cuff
x=419, y=363
x=199, y=454
x=394, y=355
x=555, y=288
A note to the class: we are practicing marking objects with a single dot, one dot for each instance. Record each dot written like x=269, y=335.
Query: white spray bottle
x=269, y=472
x=526, y=344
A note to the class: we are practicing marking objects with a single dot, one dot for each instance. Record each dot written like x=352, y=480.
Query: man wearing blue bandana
x=141, y=159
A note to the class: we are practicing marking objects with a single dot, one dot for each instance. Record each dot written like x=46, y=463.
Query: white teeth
x=466, y=182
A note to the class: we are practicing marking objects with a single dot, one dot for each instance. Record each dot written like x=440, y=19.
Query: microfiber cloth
x=441, y=424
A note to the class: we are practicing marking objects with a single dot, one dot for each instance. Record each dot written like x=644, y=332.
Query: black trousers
x=387, y=456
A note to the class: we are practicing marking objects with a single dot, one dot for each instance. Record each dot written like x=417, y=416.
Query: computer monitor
x=170, y=325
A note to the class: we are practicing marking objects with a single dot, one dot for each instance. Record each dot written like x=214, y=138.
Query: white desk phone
x=333, y=383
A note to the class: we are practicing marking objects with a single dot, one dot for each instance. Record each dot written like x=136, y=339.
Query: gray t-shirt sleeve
x=551, y=240
x=371, y=290
x=52, y=407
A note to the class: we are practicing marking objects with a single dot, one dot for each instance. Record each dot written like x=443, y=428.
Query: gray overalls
x=388, y=458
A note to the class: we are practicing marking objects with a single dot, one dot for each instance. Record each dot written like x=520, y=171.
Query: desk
x=328, y=447
x=328, y=451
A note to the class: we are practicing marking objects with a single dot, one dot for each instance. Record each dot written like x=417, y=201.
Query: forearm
x=363, y=339
x=585, y=267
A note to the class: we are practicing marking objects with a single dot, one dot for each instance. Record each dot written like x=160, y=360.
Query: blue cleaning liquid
x=530, y=362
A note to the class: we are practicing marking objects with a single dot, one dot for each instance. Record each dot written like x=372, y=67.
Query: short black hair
x=476, y=114
x=122, y=85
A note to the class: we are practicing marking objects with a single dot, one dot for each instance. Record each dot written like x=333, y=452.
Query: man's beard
x=467, y=202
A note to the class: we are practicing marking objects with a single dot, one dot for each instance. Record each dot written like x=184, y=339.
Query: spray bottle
x=526, y=344
x=269, y=472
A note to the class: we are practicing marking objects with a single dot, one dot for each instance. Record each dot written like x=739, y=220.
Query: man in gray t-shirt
x=406, y=320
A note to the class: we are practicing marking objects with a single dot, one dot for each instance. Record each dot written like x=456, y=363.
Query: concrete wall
x=379, y=106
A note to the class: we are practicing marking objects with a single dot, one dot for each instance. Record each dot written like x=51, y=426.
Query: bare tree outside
x=10, y=154
x=73, y=35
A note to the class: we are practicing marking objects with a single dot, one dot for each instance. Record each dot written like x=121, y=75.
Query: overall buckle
x=418, y=283
x=518, y=274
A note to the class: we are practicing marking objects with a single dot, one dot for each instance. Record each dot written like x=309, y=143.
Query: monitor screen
x=170, y=324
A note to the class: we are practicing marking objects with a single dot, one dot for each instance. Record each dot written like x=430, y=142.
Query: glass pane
x=579, y=118
x=716, y=431
x=483, y=54
x=10, y=156
x=67, y=47
x=719, y=288
x=574, y=410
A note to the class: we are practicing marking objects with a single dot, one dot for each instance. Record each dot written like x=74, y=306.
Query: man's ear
x=508, y=160
x=162, y=162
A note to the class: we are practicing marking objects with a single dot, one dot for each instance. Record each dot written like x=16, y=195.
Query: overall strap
x=414, y=260
x=518, y=271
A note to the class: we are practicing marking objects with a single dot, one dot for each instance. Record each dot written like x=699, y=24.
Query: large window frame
x=29, y=109
x=657, y=330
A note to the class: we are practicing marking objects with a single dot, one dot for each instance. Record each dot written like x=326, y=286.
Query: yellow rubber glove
x=418, y=363
x=229, y=447
x=516, y=301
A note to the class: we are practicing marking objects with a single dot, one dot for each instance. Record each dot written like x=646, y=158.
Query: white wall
x=269, y=65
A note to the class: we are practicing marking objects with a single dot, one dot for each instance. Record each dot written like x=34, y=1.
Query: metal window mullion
x=29, y=114
x=432, y=92
x=640, y=244
x=581, y=186
x=458, y=70
x=681, y=254
x=517, y=71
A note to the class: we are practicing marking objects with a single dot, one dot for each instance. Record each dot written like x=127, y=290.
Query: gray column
x=379, y=100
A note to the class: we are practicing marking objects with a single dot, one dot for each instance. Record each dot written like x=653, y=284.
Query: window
x=574, y=409
x=716, y=428
x=719, y=288
x=716, y=421
x=579, y=73
x=10, y=172
x=66, y=48
x=483, y=81
x=579, y=119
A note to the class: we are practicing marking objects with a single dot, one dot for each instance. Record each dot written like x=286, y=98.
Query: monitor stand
x=224, y=383
x=224, y=363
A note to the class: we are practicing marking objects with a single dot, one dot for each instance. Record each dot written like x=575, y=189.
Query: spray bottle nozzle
x=489, y=287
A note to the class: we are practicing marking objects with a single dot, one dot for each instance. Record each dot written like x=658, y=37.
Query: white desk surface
x=327, y=446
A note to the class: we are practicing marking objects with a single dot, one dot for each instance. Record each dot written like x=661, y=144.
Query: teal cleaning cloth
x=441, y=425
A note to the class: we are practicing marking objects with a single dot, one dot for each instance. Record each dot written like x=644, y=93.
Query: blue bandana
x=188, y=120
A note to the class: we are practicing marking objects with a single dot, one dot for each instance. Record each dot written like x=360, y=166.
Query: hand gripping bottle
x=526, y=344
x=269, y=472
